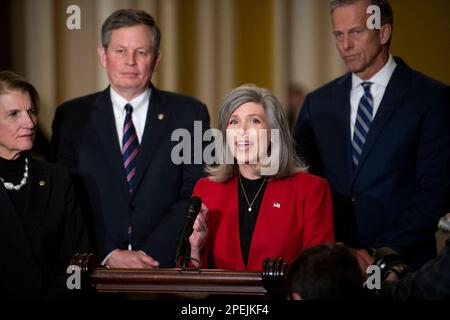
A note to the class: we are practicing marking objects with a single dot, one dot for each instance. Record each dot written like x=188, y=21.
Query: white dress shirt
x=140, y=106
x=379, y=83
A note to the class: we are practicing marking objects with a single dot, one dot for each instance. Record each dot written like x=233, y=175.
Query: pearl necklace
x=11, y=186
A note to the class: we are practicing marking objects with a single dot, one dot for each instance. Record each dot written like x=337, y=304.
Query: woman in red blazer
x=262, y=203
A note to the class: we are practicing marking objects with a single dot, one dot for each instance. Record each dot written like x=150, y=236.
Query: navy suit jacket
x=85, y=139
x=401, y=187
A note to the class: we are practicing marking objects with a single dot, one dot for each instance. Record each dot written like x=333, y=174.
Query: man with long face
x=118, y=142
x=380, y=134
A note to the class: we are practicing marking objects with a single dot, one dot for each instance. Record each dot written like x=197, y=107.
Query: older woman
x=40, y=221
x=263, y=203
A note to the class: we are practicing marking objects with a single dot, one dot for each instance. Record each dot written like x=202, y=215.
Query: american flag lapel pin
x=277, y=205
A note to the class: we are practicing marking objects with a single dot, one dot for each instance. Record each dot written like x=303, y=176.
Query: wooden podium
x=188, y=283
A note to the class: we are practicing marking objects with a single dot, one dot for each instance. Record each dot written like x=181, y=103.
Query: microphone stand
x=184, y=254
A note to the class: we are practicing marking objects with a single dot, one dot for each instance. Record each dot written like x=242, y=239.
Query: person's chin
x=354, y=66
x=130, y=82
x=26, y=145
x=240, y=158
x=247, y=159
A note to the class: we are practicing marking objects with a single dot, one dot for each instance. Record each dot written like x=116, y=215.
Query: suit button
x=353, y=199
x=131, y=207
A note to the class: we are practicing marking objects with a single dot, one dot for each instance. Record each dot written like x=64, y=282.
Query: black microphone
x=183, y=246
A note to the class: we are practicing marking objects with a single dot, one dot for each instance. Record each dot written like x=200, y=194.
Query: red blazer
x=295, y=213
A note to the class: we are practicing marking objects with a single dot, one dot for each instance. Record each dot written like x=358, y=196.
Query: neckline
x=251, y=181
x=6, y=164
x=254, y=183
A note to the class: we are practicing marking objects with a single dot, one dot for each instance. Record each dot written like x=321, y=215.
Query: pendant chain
x=250, y=204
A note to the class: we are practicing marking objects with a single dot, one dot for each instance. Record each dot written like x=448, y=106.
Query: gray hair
x=129, y=18
x=387, y=15
x=9, y=81
x=386, y=12
x=289, y=163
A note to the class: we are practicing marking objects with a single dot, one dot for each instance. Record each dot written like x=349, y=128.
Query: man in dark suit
x=118, y=142
x=381, y=136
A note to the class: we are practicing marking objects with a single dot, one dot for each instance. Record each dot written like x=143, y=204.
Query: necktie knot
x=366, y=86
x=129, y=108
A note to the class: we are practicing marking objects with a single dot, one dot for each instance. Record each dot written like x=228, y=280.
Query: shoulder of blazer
x=212, y=186
x=177, y=100
x=342, y=81
x=73, y=113
x=308, y=177
x=55, y=170
x=87, y=101
x=302, y=180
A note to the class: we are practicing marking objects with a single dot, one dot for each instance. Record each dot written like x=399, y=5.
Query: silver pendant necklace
x=250, y=204
x=11, y=186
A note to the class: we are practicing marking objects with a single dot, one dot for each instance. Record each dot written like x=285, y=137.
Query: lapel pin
x=160, y=116
x=277, y=205
x=42, y=183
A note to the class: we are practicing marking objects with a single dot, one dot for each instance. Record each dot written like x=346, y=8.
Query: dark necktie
x=130, y=147
x=363, y=121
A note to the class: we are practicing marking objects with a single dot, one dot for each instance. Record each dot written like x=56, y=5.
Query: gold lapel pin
x=160, y=116
x=42, y=183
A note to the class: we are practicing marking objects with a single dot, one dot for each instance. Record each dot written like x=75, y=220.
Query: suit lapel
x=158, y=117
x=391, y=101
x=104, y=124
x=341, y=107
x=14, y=236
x=9, y=214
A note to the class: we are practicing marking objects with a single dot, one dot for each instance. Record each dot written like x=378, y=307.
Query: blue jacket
x=401, y=187
x=85, y=139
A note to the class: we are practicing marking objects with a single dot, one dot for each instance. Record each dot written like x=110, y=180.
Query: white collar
x=382, y=77
x=136, y=102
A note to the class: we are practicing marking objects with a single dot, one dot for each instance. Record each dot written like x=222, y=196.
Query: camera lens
x=388, y=260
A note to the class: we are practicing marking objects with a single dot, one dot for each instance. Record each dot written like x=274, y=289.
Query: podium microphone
x=183, y=247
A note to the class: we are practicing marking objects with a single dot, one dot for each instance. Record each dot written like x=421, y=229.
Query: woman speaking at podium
x=261, y=203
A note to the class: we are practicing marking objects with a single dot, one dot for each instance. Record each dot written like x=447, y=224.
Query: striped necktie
x=363, y=121
x=130, y=147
